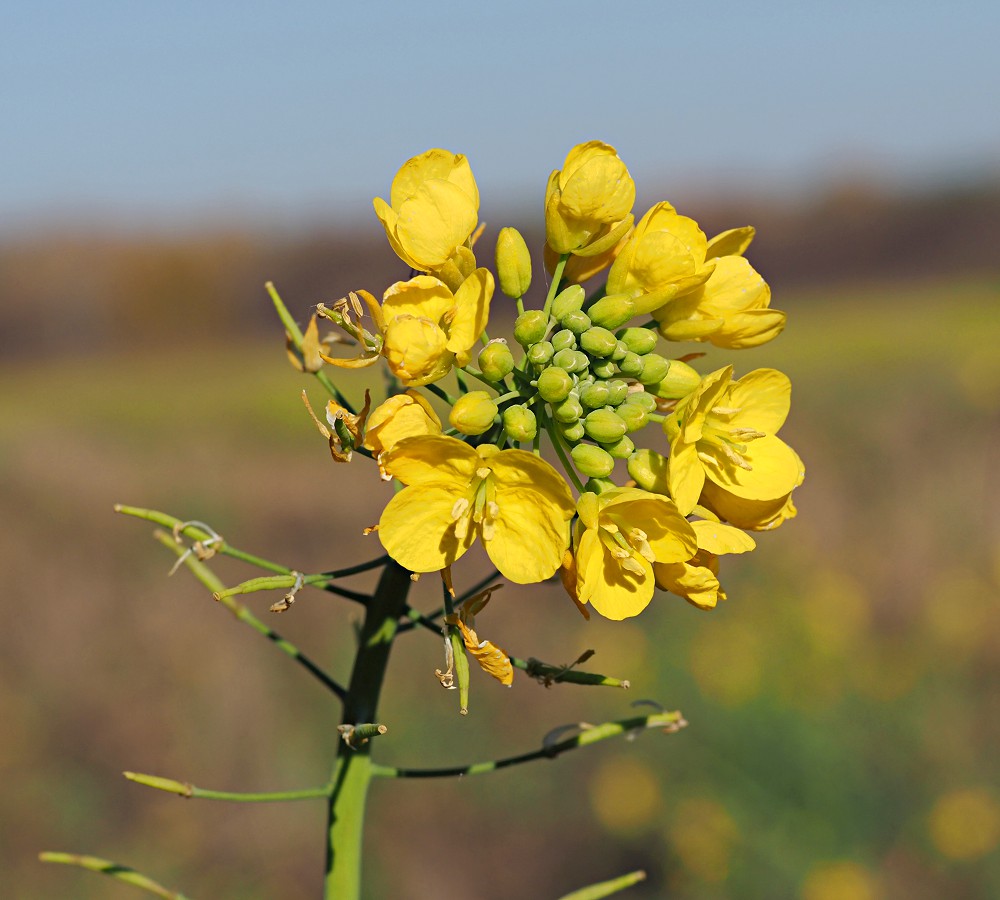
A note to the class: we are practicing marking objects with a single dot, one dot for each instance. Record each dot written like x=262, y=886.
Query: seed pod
x=495, y=360
x=569, y=300
x=679, y=381
x=617, y=391
x=604, y=426
x=594, y=396
x=564, y=339
x=520, y=423
x=649, y=470
x=610, y=312
x=568, y=411
x=554, y=384
x=638, y=340
x=540, y=354
x=513, y=263
x=598, y=341
x=530, y=327
x=623, y=448
x=473, y=413
x=654, y=368
x=593, y=461
x=577, y=322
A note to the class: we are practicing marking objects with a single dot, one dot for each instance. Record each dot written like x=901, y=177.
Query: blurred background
x=160, y=163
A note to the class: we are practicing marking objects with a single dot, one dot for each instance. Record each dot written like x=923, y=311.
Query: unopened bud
x=568, y=411
x=598, y=485
x=679, y=381
x=520, y=423
x=595, y=395
x=568, y=301
x=565, y=359
x=593, y=461
x=623, y=448
x=496, y=361
x=604, y=369
x=649, y=470
x=473, y=413
x=642, y=399
x=621, y=348
x=572, y=431
x=513, y=263
x=530, y=327
x=631, y=365
x=654, y=368
x=604, y=426
x=564, y=339
x=617, y=391
x=610, y=312
x=577, y=322
x=633, y=415
x=540, y=354
x=598, y=341
x=554, y=384
x=638, y=340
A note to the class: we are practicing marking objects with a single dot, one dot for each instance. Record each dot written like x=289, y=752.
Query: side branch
x=114, y=870
x=670, y=722
x=183, y=789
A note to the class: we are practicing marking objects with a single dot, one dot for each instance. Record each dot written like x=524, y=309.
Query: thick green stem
x=353, y=768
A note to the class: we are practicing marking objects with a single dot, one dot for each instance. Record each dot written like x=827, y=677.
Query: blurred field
x=844, y=704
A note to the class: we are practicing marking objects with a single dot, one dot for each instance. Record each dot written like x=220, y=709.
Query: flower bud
x=621, y=348
x=679, y=381
x=572, y=431
x=649, y=470
x=540, y=354
x=473, y=413
x=581, y=362
x=617, y=391
x=513, y=263
x=623, y=448
x=520, y=423
x=594, y=396
x=604, y=426
x=554, y=384
x=642, y=400
x=638, y=340
x=496, y=361
x=633, y=415
x=593, y=461
x=604, y=369
x=654, y=368
x=565, y=359
x=598, y=341
x=577, y=322
x=610, y=312
x=530, y=327
x=631, y=365
x=568, y=301
x=598, y=485
x=568, y=411
x=564, y=339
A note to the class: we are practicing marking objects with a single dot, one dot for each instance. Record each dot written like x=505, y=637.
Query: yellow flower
x=618, y=537
x=729, y=310
x=588, y=203
x=513, y=500
x=753, y=515
x=432, y=211
x=696, y=579
x=400, y=416
x=724, y=432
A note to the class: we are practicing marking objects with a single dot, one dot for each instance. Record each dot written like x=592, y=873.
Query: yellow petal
x=685, y=475
x=696, y=584
x=492, y=660
x=429, y=459
x=618, y=593
x=472, y=310
x=718, y=538
x=416, y=350
x=669, y=534
x=754, y=515
x=417, y=527
x=741, y=331
x=434, y=221
x=774, y=471
x=733, y=242
x=423, y=295
x=763, y=398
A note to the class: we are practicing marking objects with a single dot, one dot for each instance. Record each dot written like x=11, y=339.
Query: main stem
x=353, y=768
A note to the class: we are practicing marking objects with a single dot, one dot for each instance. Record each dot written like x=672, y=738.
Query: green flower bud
x=631, y=365
x=495, y=360
x=572, y=431
x=568, y=301
x=679, y=381
x=577, y=322
x=593, y=461
x=598, y=341
x=520, y=423
x=620, y=350
x=594, y=396
x=564, y=339
x=581, y=362
x=530, y=327
x=473, y=413
x=604, y=369
x=604, y=426
x=649, y=470
x=540, y=354
x=642, y=399
x=617, y=391
x=654, y=368
x=598, y=485
x=623, y=448
x=568, y=411
x=513, y=263
x=610, y=312
x=554, y=384
x=565, y=359
x=638, y=340
x=633, y=415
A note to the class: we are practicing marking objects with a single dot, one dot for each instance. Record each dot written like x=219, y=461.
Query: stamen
x=725, y=410
x=459, y=509
x=747, y=434
x=630, y=565
x=734, y=457
x=638, y=539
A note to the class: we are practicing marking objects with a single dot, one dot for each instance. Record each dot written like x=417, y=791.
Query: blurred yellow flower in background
x=965, y=824
x=843, y=880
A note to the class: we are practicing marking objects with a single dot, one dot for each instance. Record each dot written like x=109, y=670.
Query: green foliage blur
x=844, y=704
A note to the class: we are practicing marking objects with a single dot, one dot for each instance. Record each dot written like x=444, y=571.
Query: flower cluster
x=592, y=371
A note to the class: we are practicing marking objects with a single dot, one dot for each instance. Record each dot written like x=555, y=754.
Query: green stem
x=353, y=767
x=114, y=870
x=442, y=393
x=557, y=442
x=183, y=789
x=554, y=285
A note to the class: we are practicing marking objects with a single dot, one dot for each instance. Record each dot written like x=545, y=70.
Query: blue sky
x=280, y=113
